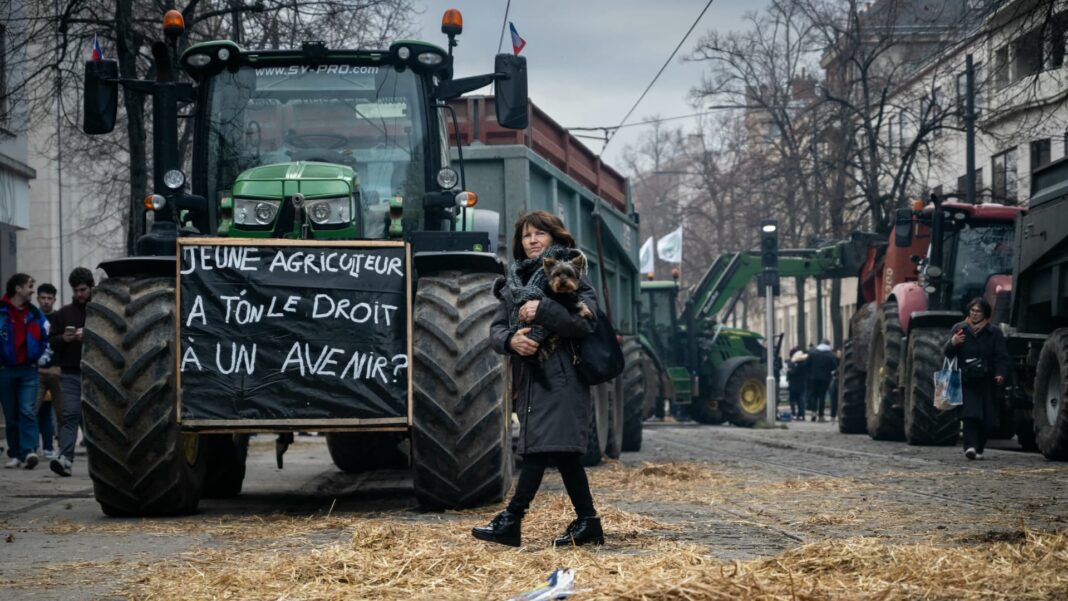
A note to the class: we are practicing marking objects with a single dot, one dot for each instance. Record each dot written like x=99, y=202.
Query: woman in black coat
x=983, y=360
x=553, y=404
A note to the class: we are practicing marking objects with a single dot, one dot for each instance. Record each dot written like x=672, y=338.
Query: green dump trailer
x=546, y=168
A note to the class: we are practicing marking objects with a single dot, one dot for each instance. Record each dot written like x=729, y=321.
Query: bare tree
x=889, y=97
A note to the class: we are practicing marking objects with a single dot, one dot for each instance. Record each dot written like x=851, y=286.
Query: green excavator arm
x=730, y=273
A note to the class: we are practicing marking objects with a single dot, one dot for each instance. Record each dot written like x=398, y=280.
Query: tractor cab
x=350, y=135
x=974, y=256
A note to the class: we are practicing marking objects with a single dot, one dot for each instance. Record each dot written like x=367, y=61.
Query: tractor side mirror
x=903, y=228
x=101, y=97
x=510, y=90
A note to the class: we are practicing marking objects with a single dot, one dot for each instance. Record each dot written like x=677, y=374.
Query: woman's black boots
x=503, y=529
x=583, y=531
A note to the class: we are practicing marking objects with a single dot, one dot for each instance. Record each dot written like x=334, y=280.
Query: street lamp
x=769, y=285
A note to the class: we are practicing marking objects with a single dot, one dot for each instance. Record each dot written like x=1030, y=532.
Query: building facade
x=16, y=173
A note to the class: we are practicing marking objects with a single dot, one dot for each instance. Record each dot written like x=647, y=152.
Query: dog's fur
x=563, y=278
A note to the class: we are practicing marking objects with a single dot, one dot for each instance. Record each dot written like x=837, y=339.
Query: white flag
x=669, y=248
x=648, y=262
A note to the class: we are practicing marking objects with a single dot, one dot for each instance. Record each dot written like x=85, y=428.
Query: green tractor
x=299, y=150
x=719, y=372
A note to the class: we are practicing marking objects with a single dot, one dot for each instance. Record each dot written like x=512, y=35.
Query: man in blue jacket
x=23, y=341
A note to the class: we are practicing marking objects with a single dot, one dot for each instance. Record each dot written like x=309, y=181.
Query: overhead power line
x=657, y=76
x=660, y=120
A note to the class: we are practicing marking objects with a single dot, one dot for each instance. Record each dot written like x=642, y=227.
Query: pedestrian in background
x=834, y=384
x=48, y=416
x=23, y=341
x=821, y=366
x=795, y=381
x=67, y=345
x=552, y=401
x=983, y=360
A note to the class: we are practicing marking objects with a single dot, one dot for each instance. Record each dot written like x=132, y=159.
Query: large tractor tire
x=140, y=462
x=614, y=447
x=461, y=445
x=636, y=386
x=885, y=419
x=1051, y=388
x=851, y=373
x=924, y=424
x=358, y=452
x=224, y=464
x=745, y=400
x=597, y=443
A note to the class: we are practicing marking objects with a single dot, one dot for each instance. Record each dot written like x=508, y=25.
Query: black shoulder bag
x=599, y=357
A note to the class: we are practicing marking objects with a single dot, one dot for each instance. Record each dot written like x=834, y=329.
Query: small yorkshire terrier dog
x=563, y=278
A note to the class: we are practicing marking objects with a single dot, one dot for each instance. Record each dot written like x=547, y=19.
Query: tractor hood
x=311, y=179
x=293, y=200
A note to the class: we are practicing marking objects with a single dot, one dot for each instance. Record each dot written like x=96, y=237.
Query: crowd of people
x=810, y=376
x=40, y=370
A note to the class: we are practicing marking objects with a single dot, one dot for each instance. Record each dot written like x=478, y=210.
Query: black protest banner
x=302, y=332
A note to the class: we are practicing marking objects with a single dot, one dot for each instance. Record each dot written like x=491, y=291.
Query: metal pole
x=819, y=311
x=61, y=283
x=769, y=343
x=969, y=130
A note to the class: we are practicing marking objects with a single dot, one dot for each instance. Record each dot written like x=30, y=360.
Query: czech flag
x=517, y=42
x=98, y=54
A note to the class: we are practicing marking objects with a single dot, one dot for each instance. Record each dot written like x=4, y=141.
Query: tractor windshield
x=657, y=313
x=365, y=117
x=979, y=250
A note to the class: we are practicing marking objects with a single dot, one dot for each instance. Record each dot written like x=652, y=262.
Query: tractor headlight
x=198, y=60
x=174, y=179
x=447, y=178
x=329, y=210
x=430, y=58
x=254, y=212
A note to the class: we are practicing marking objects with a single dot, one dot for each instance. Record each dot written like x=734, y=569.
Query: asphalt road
x=776, y=489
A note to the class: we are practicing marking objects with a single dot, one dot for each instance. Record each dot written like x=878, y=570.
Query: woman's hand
x=958, y=338
x=528, y=311
x=521, y=344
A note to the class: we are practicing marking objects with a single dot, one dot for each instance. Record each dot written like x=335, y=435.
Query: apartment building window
x=1027, y=54
x=1001, y=67
x=1004, y=168
x=962, y=184
x=3, y=76
x=931, y=111
x=1040, y=153
x=904, y=131
x=1055, y=40
x=890, y=123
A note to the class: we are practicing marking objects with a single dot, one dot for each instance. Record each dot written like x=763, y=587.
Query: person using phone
x=67, y=344
x=983, y=359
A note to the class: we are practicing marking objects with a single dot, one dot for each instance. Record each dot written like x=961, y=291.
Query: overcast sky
x=589, y=60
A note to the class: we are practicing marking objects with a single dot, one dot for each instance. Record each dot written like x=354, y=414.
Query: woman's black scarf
x=527, y=281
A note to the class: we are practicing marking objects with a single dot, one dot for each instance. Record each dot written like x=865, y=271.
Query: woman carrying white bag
x=983, y=358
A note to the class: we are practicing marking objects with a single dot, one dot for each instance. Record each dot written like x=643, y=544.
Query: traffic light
x=769, y=257
x=769, y=244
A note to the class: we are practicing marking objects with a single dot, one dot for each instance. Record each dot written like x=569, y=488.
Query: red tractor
x=912, y=291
